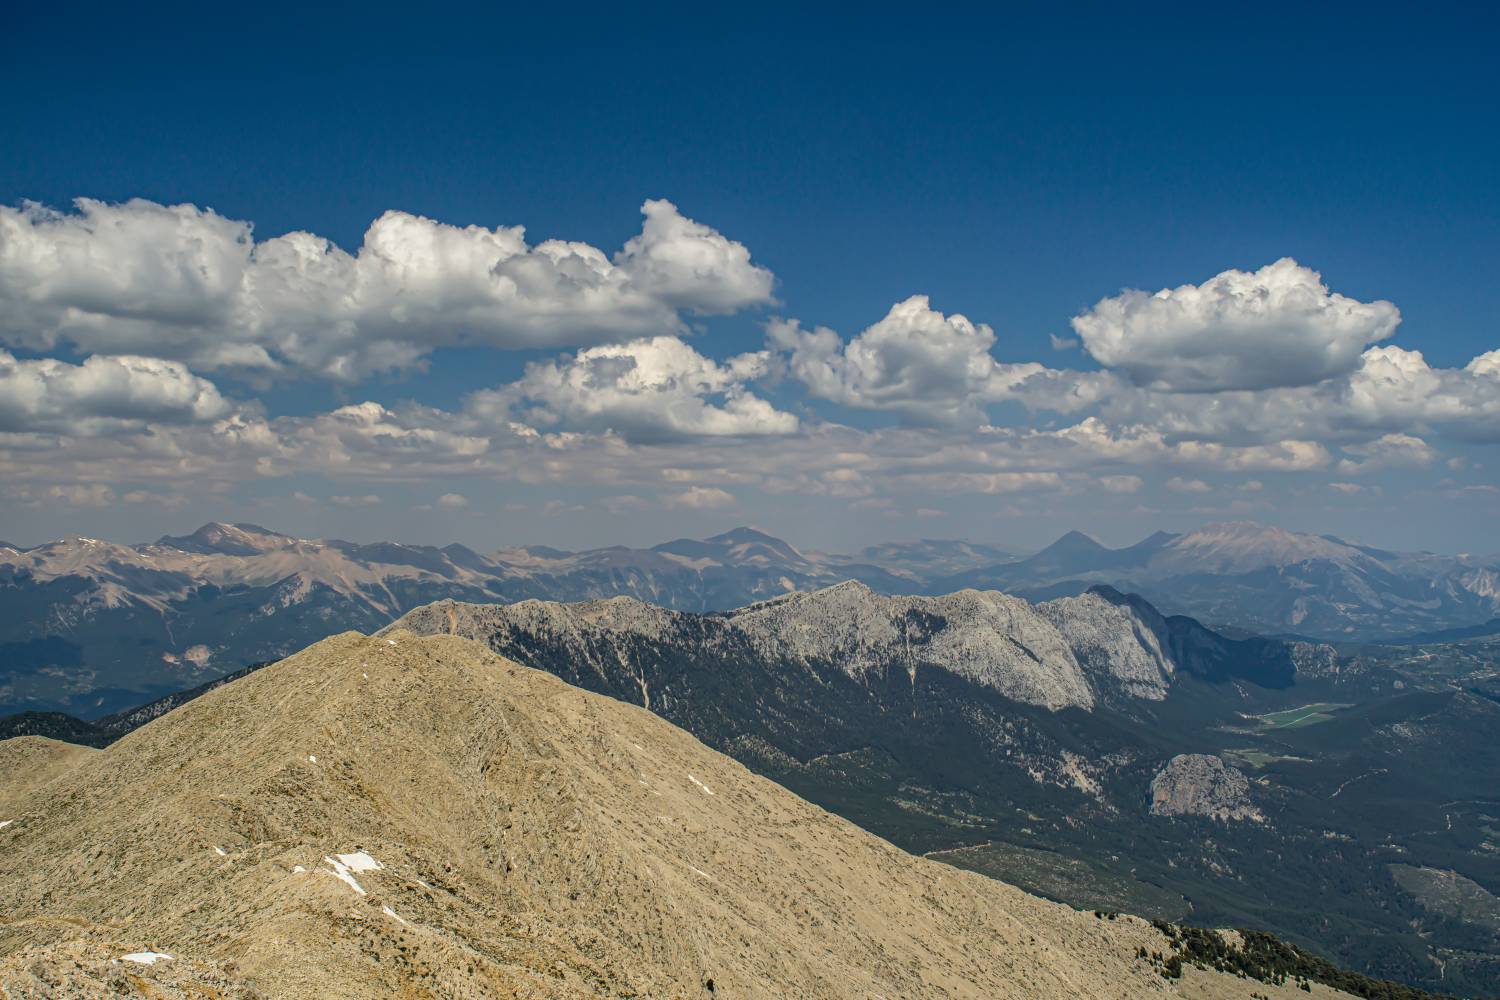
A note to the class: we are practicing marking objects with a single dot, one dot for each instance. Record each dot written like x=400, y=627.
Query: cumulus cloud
x=1177, y=484
x=1392, y=390
x=453, y=501
x=102, y=395
x=930, y=367
x=703, y=498
x=185, y=283
x=1388, y=451
x=1279, y=326
x=648, y=389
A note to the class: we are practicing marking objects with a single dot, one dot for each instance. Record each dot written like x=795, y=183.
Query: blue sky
x=1016, y=168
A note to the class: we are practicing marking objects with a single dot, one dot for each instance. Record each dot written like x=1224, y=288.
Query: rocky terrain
x=1197, y=784
x=1070, y=652
x=417, y=817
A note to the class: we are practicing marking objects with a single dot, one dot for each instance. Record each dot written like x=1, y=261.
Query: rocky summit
x=418, y=817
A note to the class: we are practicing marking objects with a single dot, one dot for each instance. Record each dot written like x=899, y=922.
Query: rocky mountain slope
x=1029, y=742
x=1070, y=652
x=1265, y=579
x=405, y=816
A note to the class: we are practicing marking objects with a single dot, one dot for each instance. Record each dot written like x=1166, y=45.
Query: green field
x=1255, y=758
x=1307, y=715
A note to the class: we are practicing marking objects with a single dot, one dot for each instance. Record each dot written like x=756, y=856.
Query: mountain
x=90, y=627
x=417, y=817
x=930, y=557
x=1264, y=579
x=1086, y=748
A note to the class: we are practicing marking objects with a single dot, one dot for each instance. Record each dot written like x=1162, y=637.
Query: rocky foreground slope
x=417, y=817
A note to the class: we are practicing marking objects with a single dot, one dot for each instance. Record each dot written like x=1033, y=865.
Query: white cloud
x=102, y=395
x=646, y=389
x=365, y=500
x=1122, y=484
x=455, y=501
x=1279, y=326
x=930, y=367
x=1179, y=485
x=1388, y=451
x=1062, y=343
x=82, y=494
x=703, y=498
x=185, y=283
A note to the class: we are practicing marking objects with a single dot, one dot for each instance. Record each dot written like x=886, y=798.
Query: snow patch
x=706, y=789
x=145, y=957
x=391, y=913
x=359, y=861
x=341, y=872
x=298, y=870
x=5, y=822
x=390, y=642
x=221, y=852
x=313, y=757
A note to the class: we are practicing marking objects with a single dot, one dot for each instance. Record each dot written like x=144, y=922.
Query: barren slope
x=414, y=817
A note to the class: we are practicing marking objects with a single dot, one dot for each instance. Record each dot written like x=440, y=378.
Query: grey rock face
x=1196, y=784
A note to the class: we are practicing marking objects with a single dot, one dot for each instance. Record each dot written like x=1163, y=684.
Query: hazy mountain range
x=1264, y=579
x=92, y=627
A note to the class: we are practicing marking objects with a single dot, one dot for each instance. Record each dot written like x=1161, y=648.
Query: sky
x=610, y=276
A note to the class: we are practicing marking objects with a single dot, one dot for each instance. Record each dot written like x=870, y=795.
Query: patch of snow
x=390, y=642
x=706, y=789
x=391, y=913
x=365, y=676
x=298, y=870
x=341, y=872
x=146, y=957
x=700, y=871
x=221, y=852
x=5, y=822
x=313, y=757
x=359, y=861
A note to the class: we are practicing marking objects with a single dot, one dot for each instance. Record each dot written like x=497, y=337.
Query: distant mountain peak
x=220, y=538
x=1075, y=541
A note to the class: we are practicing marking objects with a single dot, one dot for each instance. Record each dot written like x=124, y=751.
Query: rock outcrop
x=1195, y=784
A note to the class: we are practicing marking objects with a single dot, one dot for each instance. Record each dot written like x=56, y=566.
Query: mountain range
x=1262, y=579
x=92, y=627
x=418, y=817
